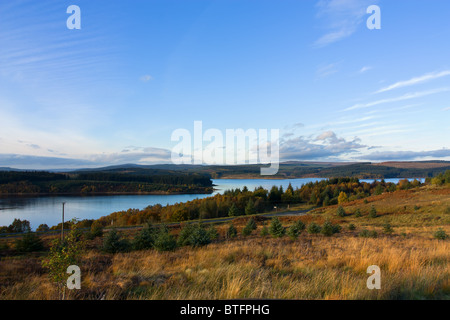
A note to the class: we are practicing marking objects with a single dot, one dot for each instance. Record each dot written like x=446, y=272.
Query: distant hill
x=415, y=164
x=290, y=169
x=8, y=169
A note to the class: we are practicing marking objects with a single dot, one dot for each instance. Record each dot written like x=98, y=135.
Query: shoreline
x=48, y=194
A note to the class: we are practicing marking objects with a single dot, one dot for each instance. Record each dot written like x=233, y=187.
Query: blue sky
x=114, y=91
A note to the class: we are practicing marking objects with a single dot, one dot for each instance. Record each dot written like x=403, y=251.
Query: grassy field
x=414, y=265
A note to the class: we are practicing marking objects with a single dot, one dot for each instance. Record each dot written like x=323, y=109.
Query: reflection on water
x=48, y=210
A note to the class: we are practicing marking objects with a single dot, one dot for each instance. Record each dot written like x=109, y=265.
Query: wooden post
x=62, y=227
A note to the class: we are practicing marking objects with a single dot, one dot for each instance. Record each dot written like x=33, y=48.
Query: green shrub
x=358, y=213
x=42, y=228
x=246, y=231
x=351, y=227
x=199, y=237
x=264, y=231
x=328, y=229
x=185, y=234
x=19, y=226
x=30, y=242
x=340, y=211
x=164, y=241
x=276, y=229
x=233, y=211
x=249, y=227
x=364, y=233
x=387, y=229
x=313, y=228
x=144, y=239
x=368, y=234
x=62, y=255
x=299, y=226
x=251, y=224
x=96, y=230
x=113, y=243
x=373, y=212
x=250, y=208
x=336, y=228
x=231, y=232
x=440, y=234
x=4, y=246
x=213, y=233
x=295, y=230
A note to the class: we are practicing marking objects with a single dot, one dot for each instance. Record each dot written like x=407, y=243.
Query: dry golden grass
x=413, y=266
x=313, y=267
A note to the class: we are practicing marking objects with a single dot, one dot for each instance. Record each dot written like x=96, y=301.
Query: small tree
x=96, y=229
x=440, y=234
x=368, y=234
x=231, y=232
x=184, y=235
x=293, y=233
x=62, y=255
x=387, y=229
x=373, y=212
x=358, y=213
x=199, y=237
x=296, y=229
x=233, y=211
x=336, y=228
x=246, y=231
x=19, y=226
x=213, y=233
x=42, y=228
x=276, y=229
x=313, y=228
x=251, y=224
x=145, y=238
x=164, y=241
x=342, y=197
x=113, y=242
x=299, y=225
x=327, y=229
x=250, y=208
x=264, y=231
x=351, y=227
x=30, y=242
x=249, y=227
x=341, y=211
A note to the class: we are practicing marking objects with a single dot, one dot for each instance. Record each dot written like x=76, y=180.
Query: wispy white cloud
x=146, y=78
x=415, y=80
x=365, y=69
x=406, y=155
x=341, y=18
x=326, y=70
x=446, y=109
x=407, y=96
x=147, y=155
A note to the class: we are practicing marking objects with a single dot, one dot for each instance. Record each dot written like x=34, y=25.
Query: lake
x=48, y=210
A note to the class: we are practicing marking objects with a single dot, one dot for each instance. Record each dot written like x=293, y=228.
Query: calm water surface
x=47, y=210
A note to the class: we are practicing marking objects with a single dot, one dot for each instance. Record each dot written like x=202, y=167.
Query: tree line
x=238, y=202
x=35, y=182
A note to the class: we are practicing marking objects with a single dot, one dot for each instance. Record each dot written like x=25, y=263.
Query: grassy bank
x=414, y=265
